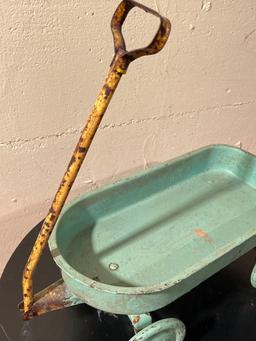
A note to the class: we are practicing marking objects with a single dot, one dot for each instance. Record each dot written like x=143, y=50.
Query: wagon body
x=139, y=244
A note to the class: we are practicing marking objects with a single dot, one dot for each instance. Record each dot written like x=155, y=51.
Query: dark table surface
x=221, y=308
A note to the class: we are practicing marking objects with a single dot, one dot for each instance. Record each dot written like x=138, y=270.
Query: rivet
x=113, y=266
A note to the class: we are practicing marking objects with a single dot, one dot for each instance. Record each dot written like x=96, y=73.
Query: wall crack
x=19, y=143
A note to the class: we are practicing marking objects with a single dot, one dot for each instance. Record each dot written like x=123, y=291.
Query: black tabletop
x=221, y=308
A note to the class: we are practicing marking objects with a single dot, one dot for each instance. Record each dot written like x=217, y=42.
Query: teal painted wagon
x=137, y=245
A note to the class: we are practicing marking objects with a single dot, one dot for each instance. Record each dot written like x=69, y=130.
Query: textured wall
x=54, y=56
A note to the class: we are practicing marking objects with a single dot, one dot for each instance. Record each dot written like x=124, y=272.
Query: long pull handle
x=118, y=67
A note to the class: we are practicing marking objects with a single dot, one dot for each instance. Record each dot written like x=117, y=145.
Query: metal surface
x=119, y=66
x=168, y=229
x=140, y=322
x=165, y=330
x=54, y=297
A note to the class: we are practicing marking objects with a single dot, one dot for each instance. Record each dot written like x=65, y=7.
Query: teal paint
x=165, y=330
x=253, y=277
x=140, y=322
x=165, y=230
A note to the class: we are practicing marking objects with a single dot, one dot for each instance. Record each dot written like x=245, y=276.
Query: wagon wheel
x=170, y=329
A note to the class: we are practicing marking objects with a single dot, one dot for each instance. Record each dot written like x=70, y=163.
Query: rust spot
x=51, y=210
x=26, y=316
x=52, y=217
x=107, y=90
x=202, y=234
x=63, y=181
x=82, y=149
x=73, y=160
x=136, y=319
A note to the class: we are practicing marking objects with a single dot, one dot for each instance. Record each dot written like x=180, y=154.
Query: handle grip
x=117, y=22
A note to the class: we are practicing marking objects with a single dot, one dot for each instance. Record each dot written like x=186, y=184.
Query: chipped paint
x=136, y=319
x=140, y=322
x=202, y=234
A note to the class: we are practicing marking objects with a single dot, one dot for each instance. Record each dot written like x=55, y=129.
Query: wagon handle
x=118, y=67
x=154, y=47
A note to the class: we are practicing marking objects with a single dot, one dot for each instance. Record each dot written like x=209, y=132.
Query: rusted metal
x=155, y=46
x=118, y=67
x=140, y=322
x=69, y=177
x=54, y=297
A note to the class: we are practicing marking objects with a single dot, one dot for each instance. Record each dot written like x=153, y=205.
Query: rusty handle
x=118, y=67
x=158, y=41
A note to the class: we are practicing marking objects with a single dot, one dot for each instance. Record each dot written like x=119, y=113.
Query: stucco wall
x=54, y=56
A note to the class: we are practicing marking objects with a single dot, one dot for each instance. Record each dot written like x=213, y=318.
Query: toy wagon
x=137, y=245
